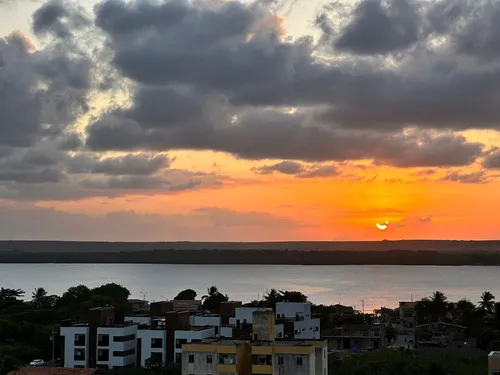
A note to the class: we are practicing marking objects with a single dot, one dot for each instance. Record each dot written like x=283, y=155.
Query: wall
x=120, y=346
x=206, y=320
x=226, y=332
x=146, y=335
x=69, y=345
x=245, y=313
x=292, y=309
x=200, y=365
x=307, y=329
x=139, y=319
x=290, y=367
x=190, y=336
x=264, y=326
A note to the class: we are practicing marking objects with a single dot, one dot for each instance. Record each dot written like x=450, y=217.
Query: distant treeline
x=292, y=257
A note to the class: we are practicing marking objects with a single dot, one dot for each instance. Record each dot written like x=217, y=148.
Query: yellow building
x=494, y=363
x=239, y=357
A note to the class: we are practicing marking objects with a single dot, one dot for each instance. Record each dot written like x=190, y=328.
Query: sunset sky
x=213, y=120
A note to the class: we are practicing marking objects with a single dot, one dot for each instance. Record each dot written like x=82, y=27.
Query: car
x=37, y=362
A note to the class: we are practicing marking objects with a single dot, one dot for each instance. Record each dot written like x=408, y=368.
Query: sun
x=382, y=226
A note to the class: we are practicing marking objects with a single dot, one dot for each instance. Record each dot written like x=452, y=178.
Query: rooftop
x=32, y=370
x=494, y=354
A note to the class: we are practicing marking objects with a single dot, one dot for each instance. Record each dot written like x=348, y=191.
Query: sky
x=264, y=120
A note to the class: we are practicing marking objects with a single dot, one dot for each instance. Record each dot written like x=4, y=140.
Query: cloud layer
x=394, y=82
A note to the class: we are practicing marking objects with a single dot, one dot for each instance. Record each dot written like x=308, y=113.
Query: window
x=191, y=358
x=102, y=340
x=281, y=361
x=79, y=339
x=103, y=355
x=496, y=373
x=123, y=353
x=157, y=343
x=209, y=358
x=79, y=355
x=124, y=338
x=180, y=342
x=299, y=361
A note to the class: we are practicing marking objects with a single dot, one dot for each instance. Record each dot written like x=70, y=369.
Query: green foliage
x=185, y=295
x=406, y=362
x=213, y=299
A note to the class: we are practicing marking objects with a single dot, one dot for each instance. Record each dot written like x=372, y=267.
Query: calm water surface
x=376, y=285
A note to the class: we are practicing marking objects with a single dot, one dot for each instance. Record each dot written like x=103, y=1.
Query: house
x=293, y=310
x=356, y=336
x=494, y=363
x=407, y=311
x=343, y=310
x=439, y=333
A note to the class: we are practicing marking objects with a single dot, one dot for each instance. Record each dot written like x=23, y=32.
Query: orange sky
x=248, y=206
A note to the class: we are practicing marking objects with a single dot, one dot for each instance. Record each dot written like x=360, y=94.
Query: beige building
x=223, y=357
x=494, y=363
x=261, y=355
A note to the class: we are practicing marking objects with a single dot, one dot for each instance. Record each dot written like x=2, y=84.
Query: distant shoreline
x=424, y=253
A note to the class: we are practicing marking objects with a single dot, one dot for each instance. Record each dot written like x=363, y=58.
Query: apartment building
x=261, y=355
x=493, y=363
x=356, y=336
x=293, y=310
x=189, y=335
x=101, y=342
x=407, y=311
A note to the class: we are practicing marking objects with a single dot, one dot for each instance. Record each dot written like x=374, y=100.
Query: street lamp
x=144, y=295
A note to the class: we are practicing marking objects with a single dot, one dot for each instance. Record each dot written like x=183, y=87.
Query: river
x=350, y=285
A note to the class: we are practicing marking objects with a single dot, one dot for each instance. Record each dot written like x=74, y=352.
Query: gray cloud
x=127, y=165
x=492, y=160
x=59, y=19
x=271, y=134
x=299, y=170
x=378, y=29
x=479, y=177
x=441, y=76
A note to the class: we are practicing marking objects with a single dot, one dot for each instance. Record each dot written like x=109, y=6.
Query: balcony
x=262, y=369
x=226, y=369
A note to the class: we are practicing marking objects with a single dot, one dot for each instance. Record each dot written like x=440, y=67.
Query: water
x=376, y=285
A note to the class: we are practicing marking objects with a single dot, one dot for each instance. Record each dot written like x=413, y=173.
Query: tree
x=38, y=296
x=75, y=295
x=465, y=312
x=213, y=299
x=271, y=298
x=186, y=295
x=114, y=291
x=486, y=303
x=293, y=296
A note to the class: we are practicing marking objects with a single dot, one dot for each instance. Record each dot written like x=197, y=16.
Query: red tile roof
x=41, y=370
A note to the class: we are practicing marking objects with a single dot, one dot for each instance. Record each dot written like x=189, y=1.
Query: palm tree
x=38, y=296
x=212, y=291
x=439, y=306
x=487, y=303
x=272, y=297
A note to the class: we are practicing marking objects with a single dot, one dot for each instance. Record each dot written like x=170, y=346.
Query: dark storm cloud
x=378, y=29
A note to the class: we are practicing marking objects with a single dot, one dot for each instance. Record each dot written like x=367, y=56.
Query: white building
x=103, y=347
x=195, y=334
x=207, y=320
x=293, y=310
x=306, y=329
x=153, y=345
